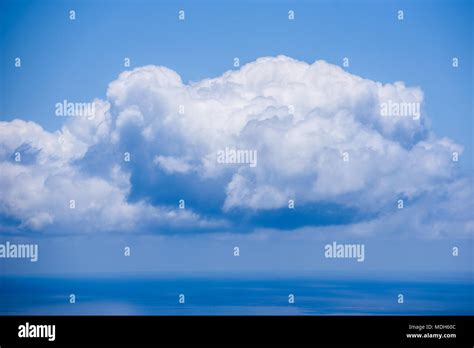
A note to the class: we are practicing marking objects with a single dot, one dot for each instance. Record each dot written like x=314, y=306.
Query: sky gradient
x=282, y=63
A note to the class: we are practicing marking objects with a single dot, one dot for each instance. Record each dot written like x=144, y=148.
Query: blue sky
x=78, y=60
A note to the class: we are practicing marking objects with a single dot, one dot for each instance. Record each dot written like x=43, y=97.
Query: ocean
x=234, y=295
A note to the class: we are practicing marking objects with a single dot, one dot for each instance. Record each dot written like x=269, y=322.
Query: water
x=211, y=295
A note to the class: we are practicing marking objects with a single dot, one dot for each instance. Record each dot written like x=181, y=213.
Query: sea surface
x=233, y=295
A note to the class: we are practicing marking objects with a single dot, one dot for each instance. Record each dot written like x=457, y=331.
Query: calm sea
x=211, y=295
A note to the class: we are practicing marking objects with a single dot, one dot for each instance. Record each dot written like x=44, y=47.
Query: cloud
x=445, y=212
x=172, y=165
x=301, y=118
x=39, y=194
x=318, y=131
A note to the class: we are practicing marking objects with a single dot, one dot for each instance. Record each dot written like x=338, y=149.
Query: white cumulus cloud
x=317, y=129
